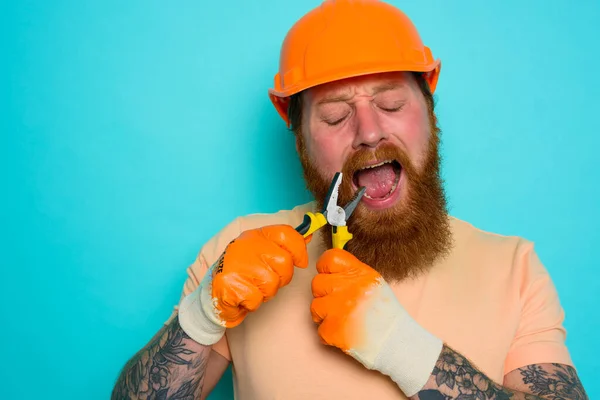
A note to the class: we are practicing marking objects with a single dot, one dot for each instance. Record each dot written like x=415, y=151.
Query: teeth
x=377, y=165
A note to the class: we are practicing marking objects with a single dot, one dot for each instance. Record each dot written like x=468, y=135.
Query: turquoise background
x=132, y=131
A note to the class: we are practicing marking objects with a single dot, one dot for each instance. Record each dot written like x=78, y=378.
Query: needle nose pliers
x=332, y=214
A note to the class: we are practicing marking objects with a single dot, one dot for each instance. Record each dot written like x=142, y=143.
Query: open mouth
x=380, y=180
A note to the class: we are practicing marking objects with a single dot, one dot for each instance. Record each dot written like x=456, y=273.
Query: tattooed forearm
x=550, y=381
x=454, y=377
x=171, y=366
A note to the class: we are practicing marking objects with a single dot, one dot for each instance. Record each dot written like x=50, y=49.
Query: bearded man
x=417, y=305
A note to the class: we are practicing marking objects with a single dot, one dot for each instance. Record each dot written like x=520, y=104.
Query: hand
x=358, y=312
x=250, y=271
x=354, y=307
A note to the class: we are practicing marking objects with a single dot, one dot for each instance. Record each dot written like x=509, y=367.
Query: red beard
x=406, y=239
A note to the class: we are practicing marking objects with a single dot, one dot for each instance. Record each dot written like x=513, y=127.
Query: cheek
x=326, y=152
x=413, y=131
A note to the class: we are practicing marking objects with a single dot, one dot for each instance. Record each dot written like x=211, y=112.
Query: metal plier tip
x=332, y=214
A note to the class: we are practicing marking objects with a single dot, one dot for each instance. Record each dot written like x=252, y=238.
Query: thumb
x=335, y=261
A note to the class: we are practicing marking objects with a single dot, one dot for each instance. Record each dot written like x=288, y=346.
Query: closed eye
x=333, y=122
x=392, y=109
x=391, y=100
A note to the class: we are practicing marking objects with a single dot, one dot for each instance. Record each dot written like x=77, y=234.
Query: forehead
x=360, y=84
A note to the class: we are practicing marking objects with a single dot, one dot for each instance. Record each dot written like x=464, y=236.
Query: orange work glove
x=358, y=312
x=250, y=271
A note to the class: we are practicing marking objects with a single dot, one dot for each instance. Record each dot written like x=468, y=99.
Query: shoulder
x=508, y=262
x=491, y=248
x=468, y=236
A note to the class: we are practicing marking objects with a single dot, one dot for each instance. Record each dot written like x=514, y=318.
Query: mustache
x=384, y=152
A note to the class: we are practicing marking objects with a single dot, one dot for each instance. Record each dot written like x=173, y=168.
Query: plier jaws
x=332, y=214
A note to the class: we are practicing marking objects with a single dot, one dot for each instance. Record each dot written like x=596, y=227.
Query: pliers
x=332, y=214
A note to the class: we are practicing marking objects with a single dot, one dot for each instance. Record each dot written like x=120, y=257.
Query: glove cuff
x=408, y=355
x=197, y=314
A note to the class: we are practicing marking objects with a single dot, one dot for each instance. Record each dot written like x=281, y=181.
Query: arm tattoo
x=171, y=367
x=455, y=378
x=553, y=382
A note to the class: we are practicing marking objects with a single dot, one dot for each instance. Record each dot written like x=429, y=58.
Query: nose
x=368, y=129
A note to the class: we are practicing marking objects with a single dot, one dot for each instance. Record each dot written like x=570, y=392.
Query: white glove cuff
x=408, y=355
x=198, y=317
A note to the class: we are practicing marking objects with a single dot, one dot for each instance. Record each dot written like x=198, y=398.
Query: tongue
x=378, y=180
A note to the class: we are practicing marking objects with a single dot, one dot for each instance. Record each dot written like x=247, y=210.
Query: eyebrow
x=343, y=97
x=335, y=98
x=388, y=86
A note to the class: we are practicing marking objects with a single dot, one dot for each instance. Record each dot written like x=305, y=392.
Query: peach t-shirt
x=492, y=300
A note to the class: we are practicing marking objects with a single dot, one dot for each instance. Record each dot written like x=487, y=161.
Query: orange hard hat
x=345, y=38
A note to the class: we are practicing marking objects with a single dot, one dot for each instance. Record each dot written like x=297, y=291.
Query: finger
x=318, y=309
x=328, y=332
x=254, y=300
x=235, y=294
x=323, y=284
x=267, y=281
x=255, y=254
x=335, y=261
x=286, y=237
x=279, y=261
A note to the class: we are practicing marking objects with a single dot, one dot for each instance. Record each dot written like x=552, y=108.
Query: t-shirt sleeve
x=208, y=254
x=540, y=337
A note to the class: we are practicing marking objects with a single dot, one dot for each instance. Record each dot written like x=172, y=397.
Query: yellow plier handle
x=336, y=215
x=340, y=236
x=312, y=222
